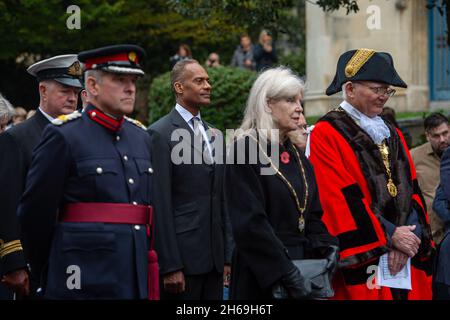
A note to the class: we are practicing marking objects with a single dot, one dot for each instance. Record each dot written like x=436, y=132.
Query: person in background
x=243, y=55
x=31, y=113
x=264, y=52
x=441, y=205
x=84, y=99
x=299, y=136
x=20, y=116
x=213, y=60
x=6, y=113
x=59, y=85
x=388, y=114
x=427, y=160
x=441, y=277
x=183, y=53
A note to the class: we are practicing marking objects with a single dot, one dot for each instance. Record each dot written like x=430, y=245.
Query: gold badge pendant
x=392, y=188
x=132, y=56
x=301, y=223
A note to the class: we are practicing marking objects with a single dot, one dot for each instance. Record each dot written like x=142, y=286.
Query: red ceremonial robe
x=347, y=201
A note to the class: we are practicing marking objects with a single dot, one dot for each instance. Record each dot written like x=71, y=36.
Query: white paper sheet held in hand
x=401, y=280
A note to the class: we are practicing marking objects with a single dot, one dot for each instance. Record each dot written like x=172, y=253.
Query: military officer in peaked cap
x=86, y=212
x=59, y=85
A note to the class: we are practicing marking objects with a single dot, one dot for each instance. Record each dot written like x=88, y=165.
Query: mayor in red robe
x=367, y=184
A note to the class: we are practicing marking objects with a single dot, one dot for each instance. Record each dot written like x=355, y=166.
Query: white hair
x=344, y=93
x=276, y=83
x=6, y=108
x=97, y=74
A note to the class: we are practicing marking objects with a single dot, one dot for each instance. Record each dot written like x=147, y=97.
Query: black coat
x=264, y=59
x=16, y=147
x=264, y=219
x=192, y=232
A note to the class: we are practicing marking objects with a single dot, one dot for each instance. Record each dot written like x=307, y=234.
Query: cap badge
x=132, y=56
x=75, y=70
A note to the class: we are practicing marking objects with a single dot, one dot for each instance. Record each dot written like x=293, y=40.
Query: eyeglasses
x=381, y=91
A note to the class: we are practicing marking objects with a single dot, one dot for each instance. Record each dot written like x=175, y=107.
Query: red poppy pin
x=284, y=157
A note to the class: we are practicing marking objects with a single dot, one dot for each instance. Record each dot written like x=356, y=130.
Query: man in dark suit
x=58, y=90
x=193, y=239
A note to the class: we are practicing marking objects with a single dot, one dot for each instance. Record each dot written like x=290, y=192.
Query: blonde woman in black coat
x=272, y=194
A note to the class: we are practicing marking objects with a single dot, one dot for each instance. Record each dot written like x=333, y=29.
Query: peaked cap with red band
x=122, y=58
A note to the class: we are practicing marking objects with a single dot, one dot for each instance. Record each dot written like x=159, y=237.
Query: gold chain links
x=301, y=209
x=384, y=150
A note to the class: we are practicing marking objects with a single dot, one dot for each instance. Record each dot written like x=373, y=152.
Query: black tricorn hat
x=365, y=65
x=123, y=58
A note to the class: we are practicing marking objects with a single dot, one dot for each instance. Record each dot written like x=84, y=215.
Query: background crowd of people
x=247, y=56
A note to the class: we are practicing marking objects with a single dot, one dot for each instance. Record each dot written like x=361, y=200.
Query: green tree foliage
x=33, y=30
x=231, y=87
x=295, y=61
x=248, y=13
x=332, y=5
x=38, y=28
x=271, y=14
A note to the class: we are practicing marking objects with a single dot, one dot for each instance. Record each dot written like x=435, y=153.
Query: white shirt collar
x=351, y=110
x=49, y=118
x=186, y=115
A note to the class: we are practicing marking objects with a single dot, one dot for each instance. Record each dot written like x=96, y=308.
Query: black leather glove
x=296, y=285
x=332, y=255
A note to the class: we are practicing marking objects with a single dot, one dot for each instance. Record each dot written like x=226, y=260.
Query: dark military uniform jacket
x=88, y=159
x=16, y=146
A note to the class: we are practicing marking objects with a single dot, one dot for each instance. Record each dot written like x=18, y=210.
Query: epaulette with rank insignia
x=66, y=118
x=136, y=123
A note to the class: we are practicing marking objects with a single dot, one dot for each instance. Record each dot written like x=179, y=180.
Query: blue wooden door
x=439, y=56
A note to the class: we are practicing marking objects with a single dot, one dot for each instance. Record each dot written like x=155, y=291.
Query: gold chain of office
x=384, y=150
x=301, y=209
